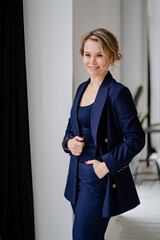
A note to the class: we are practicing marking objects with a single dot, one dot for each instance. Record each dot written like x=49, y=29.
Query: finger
x=76, y=144
x=90, y=162
x=79, y=138
x=78, y=148
x=80, y=144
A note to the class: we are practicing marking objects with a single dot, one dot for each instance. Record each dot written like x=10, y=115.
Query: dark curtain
x=16, y=199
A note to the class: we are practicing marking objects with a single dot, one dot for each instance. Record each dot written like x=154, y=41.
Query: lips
x=93, y=68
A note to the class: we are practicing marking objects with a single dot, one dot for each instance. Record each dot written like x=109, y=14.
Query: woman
x=102, y=137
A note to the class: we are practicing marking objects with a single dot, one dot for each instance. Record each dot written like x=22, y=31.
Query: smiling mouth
x=93, y=68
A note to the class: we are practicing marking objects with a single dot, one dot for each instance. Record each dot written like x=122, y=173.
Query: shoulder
x=117, y=88
x=121, y=97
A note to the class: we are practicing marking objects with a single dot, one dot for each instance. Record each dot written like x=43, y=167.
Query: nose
x=93, y=60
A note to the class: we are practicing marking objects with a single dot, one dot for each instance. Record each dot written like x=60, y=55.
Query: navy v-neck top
x=84, y=116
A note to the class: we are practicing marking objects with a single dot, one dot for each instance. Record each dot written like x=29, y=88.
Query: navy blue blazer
x=118, y=137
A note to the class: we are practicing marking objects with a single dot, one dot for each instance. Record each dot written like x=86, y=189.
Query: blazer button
x=105, y=140
x=68, y=172
x=114, y=185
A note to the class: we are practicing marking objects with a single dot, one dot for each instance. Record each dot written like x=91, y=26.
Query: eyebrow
x=89, y=52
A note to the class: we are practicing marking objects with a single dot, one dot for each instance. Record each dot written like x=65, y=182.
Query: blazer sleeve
x=131, y=129
x=68, y=134
x=69, y=130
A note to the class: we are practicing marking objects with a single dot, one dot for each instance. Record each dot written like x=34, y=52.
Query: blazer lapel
x=98, y=106
x=74, y=117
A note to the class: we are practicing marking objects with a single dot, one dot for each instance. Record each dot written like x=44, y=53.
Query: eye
x=87, y=54
x=99, y=55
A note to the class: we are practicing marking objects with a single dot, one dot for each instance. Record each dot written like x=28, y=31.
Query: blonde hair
x=107, y=41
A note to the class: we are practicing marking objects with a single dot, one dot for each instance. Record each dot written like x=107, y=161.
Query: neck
x=97, y=80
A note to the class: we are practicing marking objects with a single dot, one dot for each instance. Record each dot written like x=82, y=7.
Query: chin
x=96, y=72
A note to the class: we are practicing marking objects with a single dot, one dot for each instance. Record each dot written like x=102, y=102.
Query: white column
x=48, y=38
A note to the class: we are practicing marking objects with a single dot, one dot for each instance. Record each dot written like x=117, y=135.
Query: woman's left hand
x=100, y=168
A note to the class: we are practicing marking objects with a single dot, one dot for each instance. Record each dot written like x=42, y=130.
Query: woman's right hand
x=76, y=145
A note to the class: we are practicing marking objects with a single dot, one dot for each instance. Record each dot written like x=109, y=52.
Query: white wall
x=88, y=15
x=134, y=51
x=134, y=47
x=154, y=52
x=48, y=38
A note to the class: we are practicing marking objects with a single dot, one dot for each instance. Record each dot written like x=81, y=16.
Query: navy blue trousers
x=88, y=221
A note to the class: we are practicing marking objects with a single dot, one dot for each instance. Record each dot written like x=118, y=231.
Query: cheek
x=105, y=64
x=85, y=61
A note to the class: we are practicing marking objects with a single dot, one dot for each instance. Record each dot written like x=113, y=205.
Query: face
x=94, y=60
